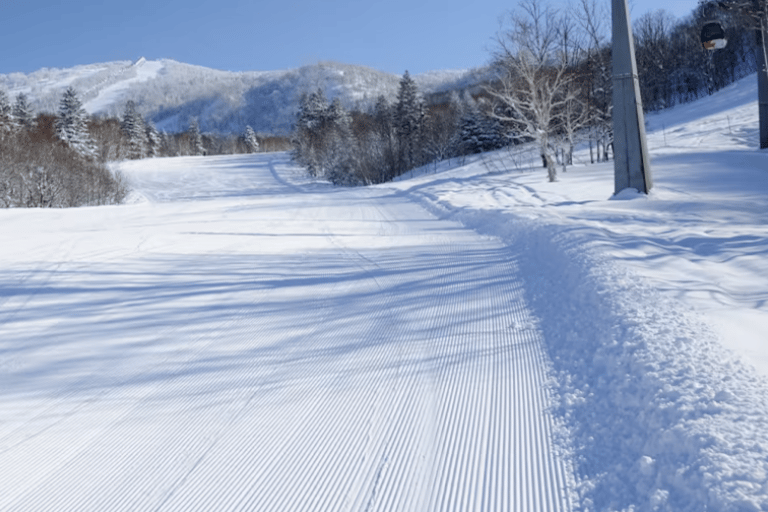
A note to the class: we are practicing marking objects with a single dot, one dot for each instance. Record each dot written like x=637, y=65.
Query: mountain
x=170, y=93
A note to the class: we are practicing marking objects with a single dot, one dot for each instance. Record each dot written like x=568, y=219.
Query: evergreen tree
x=71, y=124
x=382, y=115
x=385, y=143
x=250, y=139
x=337, y=155
x=310, y=138
x=134, y=130
x=195, y=138
x=169, y=144
x=313, y=111
x=6, y=120
x=479, y=133
x=409, y=123
x=22, y=113
x=154, y=140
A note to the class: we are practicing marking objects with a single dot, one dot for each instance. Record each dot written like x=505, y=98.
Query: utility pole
x=762, y=79
x=631, y=163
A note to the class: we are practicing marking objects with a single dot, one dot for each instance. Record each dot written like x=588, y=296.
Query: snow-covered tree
x=22, y=112
x=134, y=131
x=313, y=110
x=6, y=120
x=479, y=132
x=382, y=115
x=195, y=138
x=154, y=140
x=311, y=131
x=384, y=141
x=71, y=124
x=409, y=121
x=338, y=155
x=250, y=139
x=535, y=83
x=169, y=144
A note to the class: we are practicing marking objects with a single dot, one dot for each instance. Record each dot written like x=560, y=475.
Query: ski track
x=386, y=360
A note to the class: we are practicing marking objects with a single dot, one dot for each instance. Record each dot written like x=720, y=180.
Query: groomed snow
x=468, y=338
x=237, y=340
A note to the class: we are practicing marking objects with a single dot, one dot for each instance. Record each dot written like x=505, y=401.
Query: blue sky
x=242, y=35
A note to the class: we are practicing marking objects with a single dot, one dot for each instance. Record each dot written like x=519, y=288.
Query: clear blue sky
x=244, y=35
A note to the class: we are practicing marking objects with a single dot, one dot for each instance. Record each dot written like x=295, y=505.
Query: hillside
x=169, y=93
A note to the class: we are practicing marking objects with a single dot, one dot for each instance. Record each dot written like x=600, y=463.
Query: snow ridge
x=661, y=416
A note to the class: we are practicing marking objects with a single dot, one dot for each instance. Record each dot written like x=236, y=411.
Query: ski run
x=470, y=337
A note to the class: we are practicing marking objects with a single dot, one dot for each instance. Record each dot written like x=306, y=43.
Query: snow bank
x=661, y=416
x=653, y=309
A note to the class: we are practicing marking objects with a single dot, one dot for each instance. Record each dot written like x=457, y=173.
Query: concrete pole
x=762, y=80
x=631, y=163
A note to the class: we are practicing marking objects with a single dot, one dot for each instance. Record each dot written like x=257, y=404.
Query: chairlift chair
x=713, y=36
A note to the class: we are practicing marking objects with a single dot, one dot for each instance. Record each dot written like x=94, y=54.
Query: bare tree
x=596, y=75
x=574, y=116
x=534, y=84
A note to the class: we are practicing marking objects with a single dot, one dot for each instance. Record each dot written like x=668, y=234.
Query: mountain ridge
x=171, y=93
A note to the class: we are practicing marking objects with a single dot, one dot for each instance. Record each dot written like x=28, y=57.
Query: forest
x=552, y=86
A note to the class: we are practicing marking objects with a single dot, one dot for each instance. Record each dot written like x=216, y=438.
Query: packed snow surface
x=471, y=337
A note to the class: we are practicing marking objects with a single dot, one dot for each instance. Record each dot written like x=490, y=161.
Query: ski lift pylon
x=713, y=36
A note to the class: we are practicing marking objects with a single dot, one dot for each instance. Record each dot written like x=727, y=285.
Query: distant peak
x=139, y=62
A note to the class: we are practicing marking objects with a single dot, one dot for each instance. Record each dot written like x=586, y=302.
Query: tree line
x=51, y=160
x=61, y=160
x=374, y=146
x=552, y=88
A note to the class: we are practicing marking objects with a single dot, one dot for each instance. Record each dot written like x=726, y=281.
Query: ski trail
x=317, y=349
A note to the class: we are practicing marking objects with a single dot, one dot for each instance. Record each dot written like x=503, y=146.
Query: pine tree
x=386, y=168
x=313, y=111
x=409, y=123
x=310, y=138
x=154, y=140
x=134, y=130
x=169, y=144
x=250, y=139
x=71, y=124
x=479, y=133
x=6, y=119
x=337, y=155
x=22, y=113
x=382, y=115
x=195, y=138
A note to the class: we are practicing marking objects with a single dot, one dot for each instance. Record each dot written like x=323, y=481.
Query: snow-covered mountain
x=170, y=93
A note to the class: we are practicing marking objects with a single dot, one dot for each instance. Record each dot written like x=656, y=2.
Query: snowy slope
x=170, y=93
x=471, y=337
x=654, y=309
x=240, y=340
x=118, y=93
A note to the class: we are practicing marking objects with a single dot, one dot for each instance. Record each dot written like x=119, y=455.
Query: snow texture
x=470, y=337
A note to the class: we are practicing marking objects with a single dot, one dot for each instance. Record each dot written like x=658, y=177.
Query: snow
x=470, y=337
x=169, y=93
x=140, y=71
